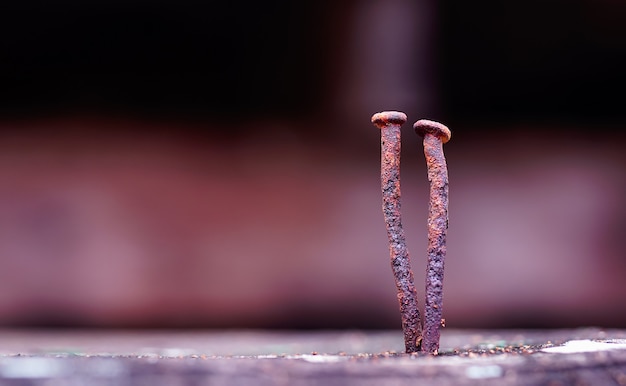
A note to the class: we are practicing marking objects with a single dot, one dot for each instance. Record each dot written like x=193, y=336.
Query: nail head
x=424, y=126
x=385, y=118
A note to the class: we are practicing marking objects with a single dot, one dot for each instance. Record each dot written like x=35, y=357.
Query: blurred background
x=212, y=164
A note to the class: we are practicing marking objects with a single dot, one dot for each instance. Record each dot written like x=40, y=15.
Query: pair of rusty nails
x=435, y=135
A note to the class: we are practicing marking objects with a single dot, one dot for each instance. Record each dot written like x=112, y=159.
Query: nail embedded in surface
x=389, y=123
x=435, y=135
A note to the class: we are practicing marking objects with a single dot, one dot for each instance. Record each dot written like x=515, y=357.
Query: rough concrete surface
x=36, y=357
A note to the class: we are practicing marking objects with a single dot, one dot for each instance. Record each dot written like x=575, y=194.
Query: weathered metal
x=435, y=135
x=389, y=123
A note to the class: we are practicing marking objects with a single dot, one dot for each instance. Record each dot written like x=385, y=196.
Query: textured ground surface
x=296, y=358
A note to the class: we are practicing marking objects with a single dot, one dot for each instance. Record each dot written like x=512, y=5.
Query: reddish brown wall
x=102, y=227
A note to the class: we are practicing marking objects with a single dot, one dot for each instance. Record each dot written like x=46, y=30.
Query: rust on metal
x=435, y=135
x=389, y=123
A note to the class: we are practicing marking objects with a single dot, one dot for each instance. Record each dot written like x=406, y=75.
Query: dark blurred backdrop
x=212, y=164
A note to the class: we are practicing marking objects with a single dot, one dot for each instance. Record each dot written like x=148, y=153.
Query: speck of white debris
x=175, y=352
x=580, y=346
x=321, y=358
x=481, y=372
x=31, y=368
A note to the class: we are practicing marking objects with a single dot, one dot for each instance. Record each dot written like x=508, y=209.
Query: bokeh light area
x=213, y=165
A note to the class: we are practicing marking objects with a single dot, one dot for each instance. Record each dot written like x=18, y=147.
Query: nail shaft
x=389, y=123
x=435, y=135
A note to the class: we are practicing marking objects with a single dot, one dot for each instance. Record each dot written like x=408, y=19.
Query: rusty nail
x=435, y=135
x=389, y=123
